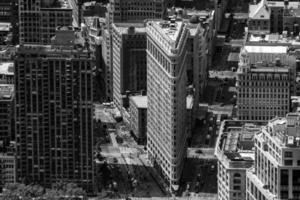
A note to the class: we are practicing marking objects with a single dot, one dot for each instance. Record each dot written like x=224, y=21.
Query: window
x=237, y=187
x=284, y=177
x=288, y=162
x=288, y=154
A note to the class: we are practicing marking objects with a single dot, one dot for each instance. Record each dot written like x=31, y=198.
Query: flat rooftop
x=271, y=69
x=266, y=49
x=124, y=28
x=235, y=142
x=171, y=30
x=6, y=91
x=286, y=130
x=5, y=26
x=54, y=4
x=7, y=68
x=140, y=101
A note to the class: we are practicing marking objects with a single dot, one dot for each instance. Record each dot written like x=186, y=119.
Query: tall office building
x=38, y=19
x=263, y=90
x=54, y=110
x=7, y=10
x=136, y=10
x=129, y=60
x=6, y=115
x=234, y=150
x=276, y=173
x=7, y=169
x=167, y=56
x=125, y=11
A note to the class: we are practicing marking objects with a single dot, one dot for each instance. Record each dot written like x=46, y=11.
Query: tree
x=60, y=190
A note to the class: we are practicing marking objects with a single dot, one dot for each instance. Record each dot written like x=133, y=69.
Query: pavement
x=128, y=163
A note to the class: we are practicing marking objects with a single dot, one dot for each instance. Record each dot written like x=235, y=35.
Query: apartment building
x=276, y=171
x=263, y=89
x=129, y=60
x=166, y=91
x=235, y=154
x=38, y=21
x=54, y=111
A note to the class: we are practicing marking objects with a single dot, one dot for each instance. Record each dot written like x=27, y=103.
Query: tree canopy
x=61, y=190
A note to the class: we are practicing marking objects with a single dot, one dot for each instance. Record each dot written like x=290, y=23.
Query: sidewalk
x=156, y=177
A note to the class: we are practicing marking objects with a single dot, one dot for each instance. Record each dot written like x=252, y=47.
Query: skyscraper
x=54, y=110
x=166, y=90
x=234, y=150
x=127, y=11
x=276, y=172
x=38, y=19
x=263, y=91
x=129, y=60
x=136, y=10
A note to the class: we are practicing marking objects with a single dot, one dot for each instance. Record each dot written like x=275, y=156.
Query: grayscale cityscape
x=149, y=99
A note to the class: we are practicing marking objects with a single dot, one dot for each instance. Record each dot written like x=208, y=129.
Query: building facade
x=38, y=21
x=235, y=154
x=126, y=11
x=7, y=10
x=54, y=111
x=136, y=10
x=129, y=60
x=7, y=169
x=138, y=117
x=6, y=115
x=275, y=174
x=166, y=91
x=259, y=17
x=263, y=91
x=274, y=16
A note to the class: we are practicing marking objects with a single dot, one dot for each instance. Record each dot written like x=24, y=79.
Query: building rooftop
x=139, y=101
x=292, y=4
x=266, y=49
x=270, y=69
x=128, y=28
x=5, y=26
x=259, y=11
x=170, y=29
x=54, y=4
x=236, y=142
x=273, y=39
x=233, y=57
x=6, y=91
x=170, y=35
x=286, y=131
x=189, y=102
x=7, y=68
